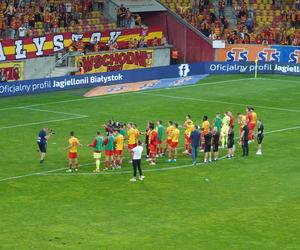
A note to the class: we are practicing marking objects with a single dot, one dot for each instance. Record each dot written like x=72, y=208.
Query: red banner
x=33, y=47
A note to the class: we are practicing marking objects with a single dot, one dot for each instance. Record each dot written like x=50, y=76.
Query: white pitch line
x=52, y=111
x=88, y=164
x=122, y=94
x=38, y=173
x=282, y=130
x=217, y=101
x=42, y=122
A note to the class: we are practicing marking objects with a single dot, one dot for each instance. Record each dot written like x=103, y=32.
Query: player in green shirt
x=160, y=130
x=109, y=143
x=123, y=130
x=217, y=122
x=97, y=144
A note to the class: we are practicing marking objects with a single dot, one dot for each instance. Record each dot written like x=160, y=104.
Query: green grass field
x=241, y=203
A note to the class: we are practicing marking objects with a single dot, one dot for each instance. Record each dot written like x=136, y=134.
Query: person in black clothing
x=215, y=143
x=260, y=136
x=147, y=141
x=230, y=144
x=245, y=140
x=207, y=146
x=42, y=142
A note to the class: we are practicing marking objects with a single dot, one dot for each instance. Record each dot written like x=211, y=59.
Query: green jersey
x=160, y=132
x=110, y=142
x=99, y=144
x=123, y=132
x=218, y=123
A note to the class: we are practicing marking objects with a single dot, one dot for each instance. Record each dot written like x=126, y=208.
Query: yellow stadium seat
x=262, y=6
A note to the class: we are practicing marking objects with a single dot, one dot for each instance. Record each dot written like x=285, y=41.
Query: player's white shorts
x=224, y=130
x=97, y=155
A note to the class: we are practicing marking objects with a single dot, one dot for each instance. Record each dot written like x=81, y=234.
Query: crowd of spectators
x=133, y=43
x=127, y=19
x=21, y=18
x=277, y=22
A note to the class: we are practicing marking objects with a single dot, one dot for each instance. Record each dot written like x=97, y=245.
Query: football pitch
x=239, y=203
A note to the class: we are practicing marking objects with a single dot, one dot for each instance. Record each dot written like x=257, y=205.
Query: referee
x=42, y=143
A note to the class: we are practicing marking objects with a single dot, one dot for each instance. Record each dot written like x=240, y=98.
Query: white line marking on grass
x=89, y=164
x=121, y=94
x=42, y=122
x=217, y=101
x=52, y=111
x=38, y=173
x=282, y=130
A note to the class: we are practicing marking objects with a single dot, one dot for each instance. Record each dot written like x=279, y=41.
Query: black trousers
x=136, y=164
x=245, y=147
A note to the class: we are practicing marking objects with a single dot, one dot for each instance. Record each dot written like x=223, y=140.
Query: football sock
x=97, y=163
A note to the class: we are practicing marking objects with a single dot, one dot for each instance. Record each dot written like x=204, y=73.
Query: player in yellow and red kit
x=153, y=142
x=205, y=128
x=174, y=143
x=119, y=146
x=189, y=128
x=137, y=133
x=131, y=137
x=252, y=124
x=169, y=131
x=73, y=157
x=242, y=121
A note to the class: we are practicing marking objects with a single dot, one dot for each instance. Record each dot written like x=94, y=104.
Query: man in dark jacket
x=195, y=143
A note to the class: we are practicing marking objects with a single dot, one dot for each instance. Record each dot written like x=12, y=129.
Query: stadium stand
x=258, y=21
x=34, y=18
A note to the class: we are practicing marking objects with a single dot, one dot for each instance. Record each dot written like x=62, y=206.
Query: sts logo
x=183, y=70
x=294, y=57
x=237, y=55
x=269, y=55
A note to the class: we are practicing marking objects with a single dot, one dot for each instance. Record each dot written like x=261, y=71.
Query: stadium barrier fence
x=147, y=74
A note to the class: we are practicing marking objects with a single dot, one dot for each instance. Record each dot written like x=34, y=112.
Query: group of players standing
x=211, y=137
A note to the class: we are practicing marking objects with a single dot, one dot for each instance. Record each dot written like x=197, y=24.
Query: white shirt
x=22, y=31
x=68, y=7
x=137, y=152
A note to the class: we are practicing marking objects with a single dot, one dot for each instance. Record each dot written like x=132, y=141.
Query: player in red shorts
x=160, y=132
x=131, y=135
x=72, y=155
x=252, y=124
x=174, y=143
x=119, y=146
x=189, y=128
x=153, y=142
x=109, y=143
x=169, y=131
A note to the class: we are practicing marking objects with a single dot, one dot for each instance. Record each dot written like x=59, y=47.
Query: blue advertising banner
x=155, y=73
